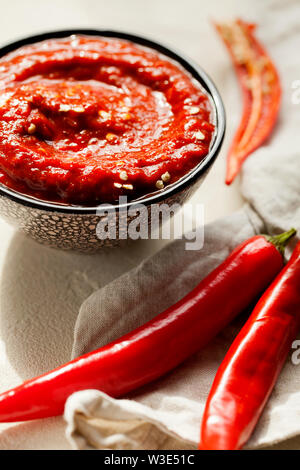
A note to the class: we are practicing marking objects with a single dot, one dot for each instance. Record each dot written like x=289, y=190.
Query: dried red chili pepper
x=249, y=371
x=261, y=90
x=161, y=344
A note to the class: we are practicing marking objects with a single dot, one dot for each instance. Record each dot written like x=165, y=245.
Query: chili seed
x=79, y=109
x=123, y=176
x=31, y=129
x=199, y=135
x=193, y=110
x=159, y=184
x=126, y=116
x=110, y=137
x=64, y=108
x=166, y=177
x=104, y=115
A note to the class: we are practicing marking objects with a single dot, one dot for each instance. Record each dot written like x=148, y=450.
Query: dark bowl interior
x=154, y=198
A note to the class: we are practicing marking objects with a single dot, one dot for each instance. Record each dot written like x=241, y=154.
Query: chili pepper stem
x=281, y=240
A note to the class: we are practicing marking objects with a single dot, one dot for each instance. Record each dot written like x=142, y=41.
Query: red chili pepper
x=161, y=344
x=260, y=85
x=250, y=369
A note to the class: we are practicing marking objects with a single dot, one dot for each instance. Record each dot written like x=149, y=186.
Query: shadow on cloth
x=41, y=292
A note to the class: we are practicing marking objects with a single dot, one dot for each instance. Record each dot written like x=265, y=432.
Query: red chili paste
x=87, y=119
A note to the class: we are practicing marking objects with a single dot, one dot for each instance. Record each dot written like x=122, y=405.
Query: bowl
x=72, y=227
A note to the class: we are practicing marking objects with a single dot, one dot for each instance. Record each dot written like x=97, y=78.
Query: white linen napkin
x=167, y=413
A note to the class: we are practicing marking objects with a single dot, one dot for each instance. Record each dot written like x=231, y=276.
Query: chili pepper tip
x=233, y=168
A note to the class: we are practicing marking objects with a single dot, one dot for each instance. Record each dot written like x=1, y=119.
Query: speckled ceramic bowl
x=74, y=227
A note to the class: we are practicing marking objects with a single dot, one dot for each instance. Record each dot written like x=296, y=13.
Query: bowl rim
x=189, y=65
